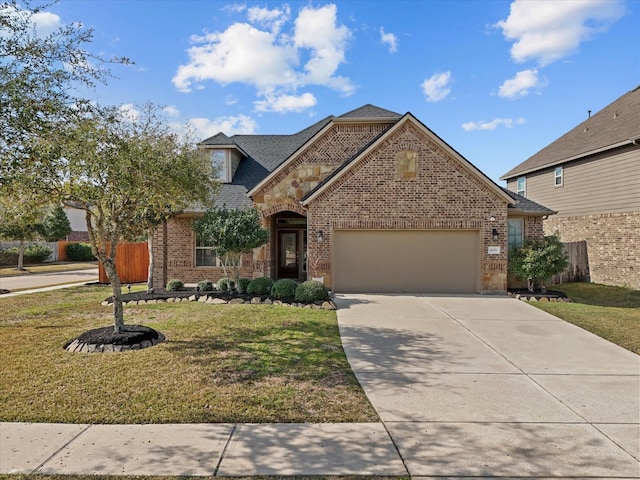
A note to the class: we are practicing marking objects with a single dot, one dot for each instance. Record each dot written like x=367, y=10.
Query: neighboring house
x=591, y=177
x=369, y=201
x=78, y=224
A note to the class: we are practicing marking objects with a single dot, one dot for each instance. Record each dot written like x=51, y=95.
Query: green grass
x=220, y=363
x=612, y=313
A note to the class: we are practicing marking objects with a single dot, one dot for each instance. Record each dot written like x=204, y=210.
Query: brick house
x=369, y=201
x=591, y=177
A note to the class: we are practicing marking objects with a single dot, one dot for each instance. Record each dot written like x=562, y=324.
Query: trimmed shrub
x=226, y=284
x=206, y=286
x=284, y=288
x=79, y=252
x=260, y=286
x=33, y=253
x=174, y=285
x=243, y=283
x=312, y=291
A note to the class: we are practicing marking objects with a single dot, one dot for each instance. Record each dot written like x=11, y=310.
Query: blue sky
x=497, y=80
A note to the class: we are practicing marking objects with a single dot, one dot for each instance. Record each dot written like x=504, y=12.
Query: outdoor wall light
x=320, y=236
x=495, y=234
x=492, y=218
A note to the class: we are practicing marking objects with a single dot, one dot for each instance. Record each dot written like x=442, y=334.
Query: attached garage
x=406, y=261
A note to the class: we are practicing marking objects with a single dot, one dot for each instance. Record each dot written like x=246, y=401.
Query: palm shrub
x=311, y=291
x=260, y=286
x=284, y=288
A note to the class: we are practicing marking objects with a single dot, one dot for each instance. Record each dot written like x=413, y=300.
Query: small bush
x=9, y=257
x=312, y=291
x=243, y=283
x=33, y=253
x=174, y=285
x=260, y=286
x=206, y=286
x=226, y=284
x=284, y=288
x=79, y=252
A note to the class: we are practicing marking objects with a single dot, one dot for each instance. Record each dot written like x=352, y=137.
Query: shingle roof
x=524, y=205
x=612, y=126
x=370, y=111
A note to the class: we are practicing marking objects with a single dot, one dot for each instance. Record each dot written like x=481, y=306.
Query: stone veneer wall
x=432, y=191
x=613, y=244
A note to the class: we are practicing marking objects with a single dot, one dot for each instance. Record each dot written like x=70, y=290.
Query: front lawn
x=612, y=313
x=220, y=363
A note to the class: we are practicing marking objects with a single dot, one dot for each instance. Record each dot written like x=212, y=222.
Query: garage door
x=412, y=261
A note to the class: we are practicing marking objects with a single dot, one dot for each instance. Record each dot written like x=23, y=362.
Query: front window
x=516, y=232
x=557, y=176
x=522, y=186
x=205, y=254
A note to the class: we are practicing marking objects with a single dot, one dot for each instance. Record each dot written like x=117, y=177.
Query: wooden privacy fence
x=578, y=268
x=132, y=263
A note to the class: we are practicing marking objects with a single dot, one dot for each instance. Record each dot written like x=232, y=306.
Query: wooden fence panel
x=132, y=263
x=578, y=268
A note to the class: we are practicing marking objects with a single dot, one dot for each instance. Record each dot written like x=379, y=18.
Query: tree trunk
x=21, y=255
x=116, y=286
x=150, y=271
x=530, y=284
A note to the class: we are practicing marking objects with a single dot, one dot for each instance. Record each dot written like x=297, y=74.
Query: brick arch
x=284, y=207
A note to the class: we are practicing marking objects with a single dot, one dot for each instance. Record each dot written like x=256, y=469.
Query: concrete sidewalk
x=493, y=387
x=39, y=282
x=199, y=450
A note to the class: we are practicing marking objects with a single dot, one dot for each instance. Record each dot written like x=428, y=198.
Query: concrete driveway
x=490, y=386
x=44, y=280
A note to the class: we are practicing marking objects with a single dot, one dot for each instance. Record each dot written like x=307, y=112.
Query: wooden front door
x=288, y=254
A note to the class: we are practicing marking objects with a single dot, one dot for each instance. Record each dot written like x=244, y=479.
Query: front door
x=288, y=254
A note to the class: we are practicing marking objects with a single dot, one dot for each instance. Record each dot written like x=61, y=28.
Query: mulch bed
x=538, y=295
x=106, y=339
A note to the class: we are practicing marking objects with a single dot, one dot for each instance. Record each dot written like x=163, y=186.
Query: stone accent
x=613, y=244
x=327, y=305
x=80, y=347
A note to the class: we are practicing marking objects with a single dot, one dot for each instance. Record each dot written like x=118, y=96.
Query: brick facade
x=433, y=192
x=613, y=244
x=407, y=180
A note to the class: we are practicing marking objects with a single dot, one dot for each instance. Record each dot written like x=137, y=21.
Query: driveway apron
x=476, y=386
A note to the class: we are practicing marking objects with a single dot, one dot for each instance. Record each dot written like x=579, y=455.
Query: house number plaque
x=494, y=250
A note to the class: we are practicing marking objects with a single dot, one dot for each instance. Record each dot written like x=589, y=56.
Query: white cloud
x=547, y=30
x=239, y=124
x=436, y=87
x=276, y=62
x=521, y=84
x=171, y=111
x=273, y=19
x=493, y=124
x=129, y=112
x=46, y=23
x=389, y=39
x=286, y=103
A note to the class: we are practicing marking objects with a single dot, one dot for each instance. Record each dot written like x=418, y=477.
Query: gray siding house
x=591, y=177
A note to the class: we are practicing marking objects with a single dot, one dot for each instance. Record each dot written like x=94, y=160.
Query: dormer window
x=220, y=164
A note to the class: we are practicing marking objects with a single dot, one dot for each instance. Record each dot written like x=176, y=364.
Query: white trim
x=408, y=117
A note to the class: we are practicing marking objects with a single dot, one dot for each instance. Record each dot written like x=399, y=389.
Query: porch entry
x=291, y=246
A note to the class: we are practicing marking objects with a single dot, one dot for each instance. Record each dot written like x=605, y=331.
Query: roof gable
x=615, y=125
x=369, y=111
x=408, y=117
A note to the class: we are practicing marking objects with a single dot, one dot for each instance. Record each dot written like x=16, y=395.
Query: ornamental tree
x=538, y=260
x=231, y=233
x=118, y=167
